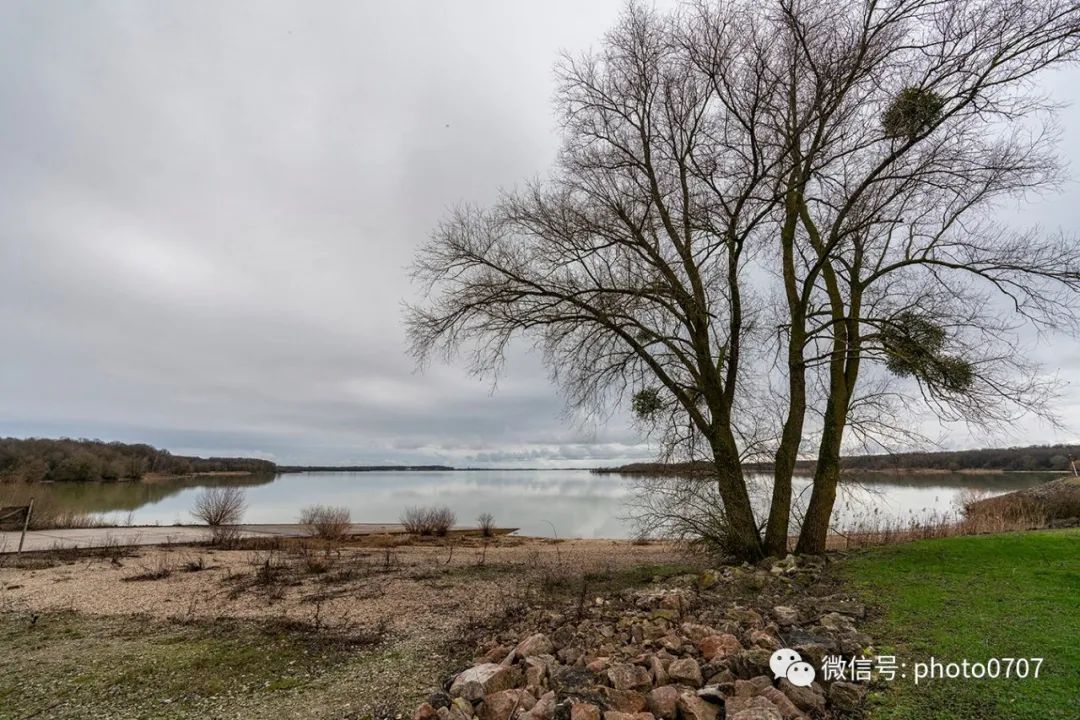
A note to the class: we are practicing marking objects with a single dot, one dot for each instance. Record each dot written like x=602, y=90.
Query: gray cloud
x=207, y=211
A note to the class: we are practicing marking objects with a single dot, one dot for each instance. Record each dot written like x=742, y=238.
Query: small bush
x=442, y=519
x=219, y=506
x=486, y=522
x=326, y=522
x=415, y=520
x=428, y=521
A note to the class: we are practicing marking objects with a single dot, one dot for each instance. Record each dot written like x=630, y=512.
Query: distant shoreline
x=362, y=468
x=986, y=461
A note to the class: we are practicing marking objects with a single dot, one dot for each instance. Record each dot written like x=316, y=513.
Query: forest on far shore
x=67, y=460
x=1045, y=458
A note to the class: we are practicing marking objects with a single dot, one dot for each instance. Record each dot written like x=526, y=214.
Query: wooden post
x=26, y=524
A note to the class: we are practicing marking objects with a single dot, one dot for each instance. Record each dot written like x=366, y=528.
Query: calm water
x=569, y=503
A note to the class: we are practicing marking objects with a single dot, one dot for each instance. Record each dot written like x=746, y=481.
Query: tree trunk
x=743, y=531
x=815, y=527
x=776, y=532
x=744, y=536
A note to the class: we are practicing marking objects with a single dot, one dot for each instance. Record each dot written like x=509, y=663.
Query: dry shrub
x=428, y=521
x=219, y=506
x=687, y=510
x=414, y=519
x=1016, y=514
x=326, y=522
x=226, y=535
x=486, y=522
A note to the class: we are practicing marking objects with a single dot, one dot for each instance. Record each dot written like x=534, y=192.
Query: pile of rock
x=667, y=654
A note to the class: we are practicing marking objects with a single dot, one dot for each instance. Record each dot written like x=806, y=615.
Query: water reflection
x=567, y=503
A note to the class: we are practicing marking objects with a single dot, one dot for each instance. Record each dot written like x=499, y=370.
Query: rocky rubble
x=697, y=650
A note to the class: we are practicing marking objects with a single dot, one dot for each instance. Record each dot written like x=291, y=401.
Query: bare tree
x=758, y=204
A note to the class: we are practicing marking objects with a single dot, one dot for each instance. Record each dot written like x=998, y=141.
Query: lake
x=563, y=503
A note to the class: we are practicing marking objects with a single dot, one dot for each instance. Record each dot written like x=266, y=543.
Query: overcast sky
x=207, y=211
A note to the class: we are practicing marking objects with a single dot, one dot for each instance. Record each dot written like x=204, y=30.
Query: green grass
x=976, y=598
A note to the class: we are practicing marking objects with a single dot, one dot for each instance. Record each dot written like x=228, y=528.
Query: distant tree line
x=1048, y=458
x=68, y=460
x=1034, y=457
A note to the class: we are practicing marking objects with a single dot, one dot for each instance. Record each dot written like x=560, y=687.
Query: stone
x=713, y=646
x=674, y=601
x=746, y=689
x=691, y=707
x=686, y=671
x=749, y=663
x=546, y=661
x=616, y=715
x=846, y=696
x=764, y=639
x=812, y=652
x=753, y=708
x=782, y=703
x=629, y=677
x=808, y=699
x=484, y=679
x=569, y=680
x=844, y=607
x=537, y=644
x=713, y=693
x=785, y=567
x=536, y=670
x=443, y=713
x=598, y=665
x=707, y=579
x=544, y=709
x=751, y=687
x=439, y=699
x=495, y=654
x=836, y=622
x=652, y=630
x=664, y=702
x=696, y=632
x=570, y=655
x=460, y=709
x=503, y=705
x=563, y=636
x=624, y=701
x=672, y=642
x=785, y=615
x=659, y=672
x=584, y=711
x=425, y=712
x=852, y=642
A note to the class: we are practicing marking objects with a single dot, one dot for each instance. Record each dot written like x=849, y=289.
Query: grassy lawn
x=976, y=598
